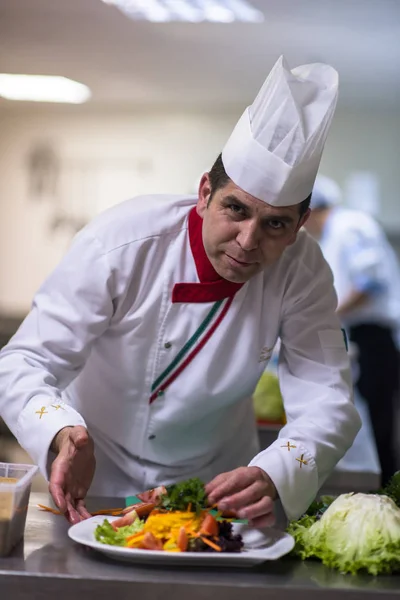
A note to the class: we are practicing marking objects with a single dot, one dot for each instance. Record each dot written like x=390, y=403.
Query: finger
x=251, y=494
x=212, y=485
x=82, y=510
x=261, y=508
x=57, y=493
x=58, y=479
x=237, y=481
x=57, y=484
x=260, y=522
x=79, y=436
x=72, y=514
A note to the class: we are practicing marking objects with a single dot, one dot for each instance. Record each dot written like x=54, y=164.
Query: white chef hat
x=326, y=193
x=275, y=149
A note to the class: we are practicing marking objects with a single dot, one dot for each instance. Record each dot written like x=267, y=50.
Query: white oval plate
x=270, y=544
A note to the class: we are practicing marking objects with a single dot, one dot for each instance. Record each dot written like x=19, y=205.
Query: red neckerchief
x=212, y=287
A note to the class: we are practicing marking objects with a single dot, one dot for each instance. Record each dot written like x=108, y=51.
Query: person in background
x=136, y=365
x=367, y=281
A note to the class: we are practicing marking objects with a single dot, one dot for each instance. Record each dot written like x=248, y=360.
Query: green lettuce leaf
x=298, y=529
x=105, y=534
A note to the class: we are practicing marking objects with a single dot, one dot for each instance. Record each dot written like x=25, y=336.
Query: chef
x=136, y=364
x=367, y=282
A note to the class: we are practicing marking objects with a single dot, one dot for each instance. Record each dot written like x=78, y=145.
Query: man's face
x=242, y=234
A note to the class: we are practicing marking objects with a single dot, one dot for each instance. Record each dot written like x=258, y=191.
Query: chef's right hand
x=72, y=471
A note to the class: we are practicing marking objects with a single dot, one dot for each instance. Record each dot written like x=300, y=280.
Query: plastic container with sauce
x=15, y=489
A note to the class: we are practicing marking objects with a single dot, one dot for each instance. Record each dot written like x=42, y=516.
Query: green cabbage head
x=357, y=531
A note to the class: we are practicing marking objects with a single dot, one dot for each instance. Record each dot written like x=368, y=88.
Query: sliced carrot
x=209, y=525
x=114, y=512
x=183, y=540
x=48, y=509
x=133, y=542
x=105, y=511
x=211, y=544
x=142, y=508
x=130, y=538
x=193, y=533
x=128, y=509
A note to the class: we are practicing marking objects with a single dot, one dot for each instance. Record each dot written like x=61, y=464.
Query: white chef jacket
x=362, y=259
x=103, y=327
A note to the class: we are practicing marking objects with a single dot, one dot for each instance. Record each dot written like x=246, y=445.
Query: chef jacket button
x=160, y=393
x=152, y=437
x=167, y=345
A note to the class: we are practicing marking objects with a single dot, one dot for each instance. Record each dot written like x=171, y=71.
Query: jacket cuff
x=49, y=416
x=294, y=473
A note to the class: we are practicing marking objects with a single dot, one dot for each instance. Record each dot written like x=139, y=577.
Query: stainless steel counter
x=49, y=565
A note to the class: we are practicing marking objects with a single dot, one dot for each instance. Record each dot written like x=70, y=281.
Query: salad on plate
x=172, y=519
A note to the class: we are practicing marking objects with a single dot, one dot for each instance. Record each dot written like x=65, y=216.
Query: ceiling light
x=192, y=11
x=42, y=88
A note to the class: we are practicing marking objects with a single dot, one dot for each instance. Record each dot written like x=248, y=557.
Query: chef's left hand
x=247, y=490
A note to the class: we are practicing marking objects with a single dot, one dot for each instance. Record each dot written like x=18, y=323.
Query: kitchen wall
x=59, y=167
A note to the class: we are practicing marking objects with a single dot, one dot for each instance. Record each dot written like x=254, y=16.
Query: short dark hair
x=219, y=178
